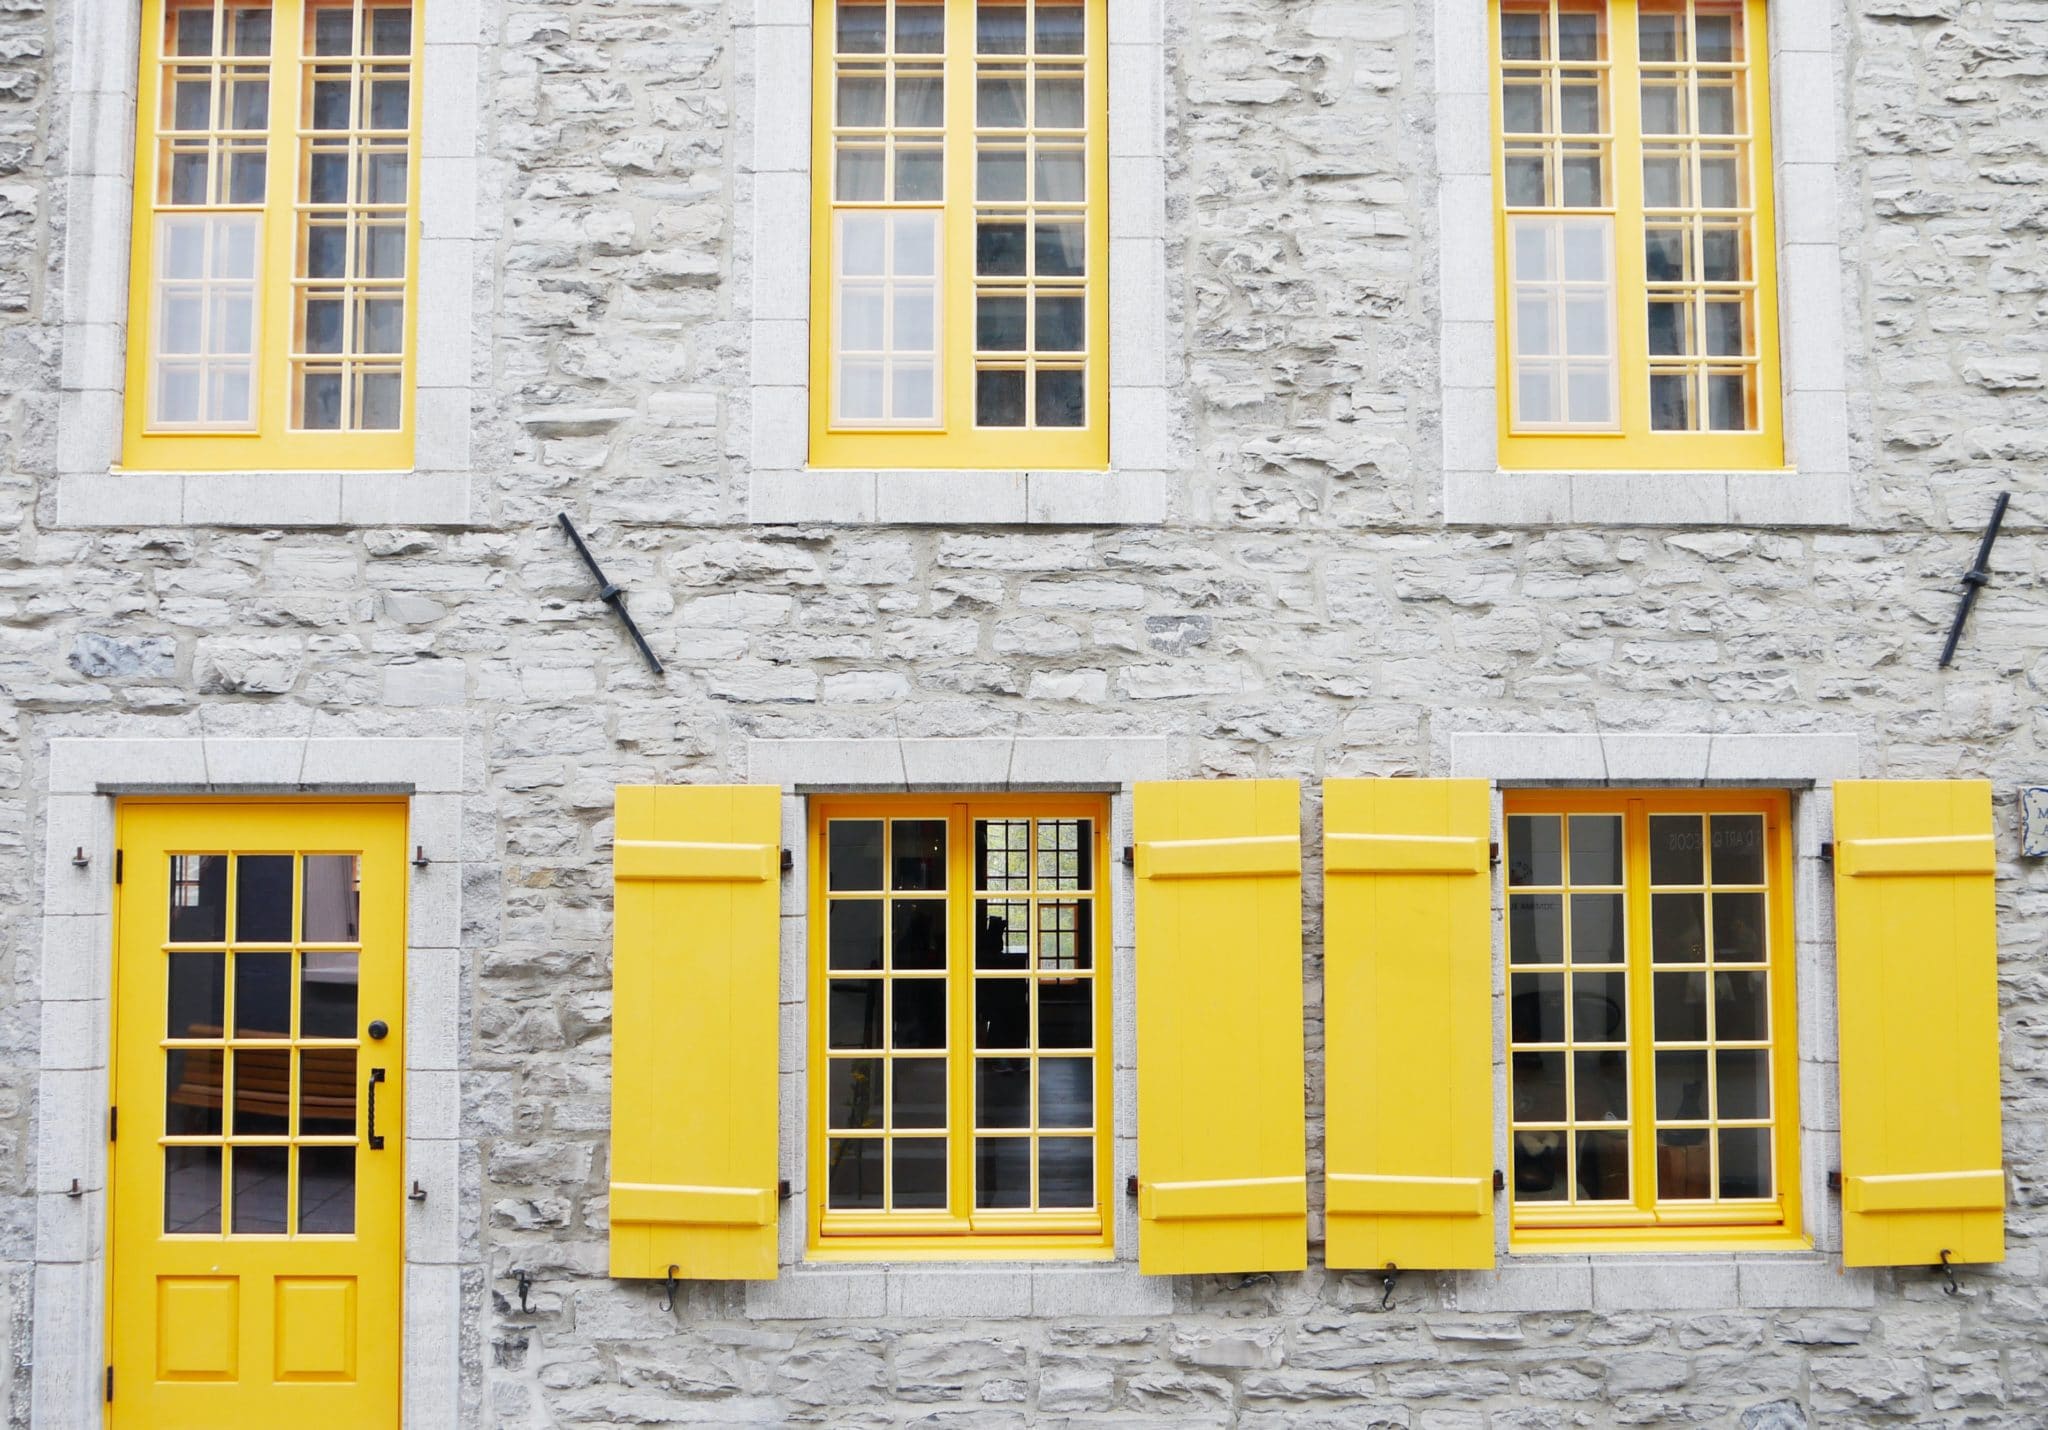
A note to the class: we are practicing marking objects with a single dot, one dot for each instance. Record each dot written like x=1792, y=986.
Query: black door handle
x=376, y=1142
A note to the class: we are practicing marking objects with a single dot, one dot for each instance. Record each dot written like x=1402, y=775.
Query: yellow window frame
x=1634, y=445
x=1645, y=1222
x=272, y=444
x=960, y=1233
x=957, y=443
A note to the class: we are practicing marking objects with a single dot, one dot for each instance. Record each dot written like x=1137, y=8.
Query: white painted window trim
x=1817, y=489
x=827, y=1291
x=1807, y=766
x=98, y=68
x=67, y=1332
x=772, y=275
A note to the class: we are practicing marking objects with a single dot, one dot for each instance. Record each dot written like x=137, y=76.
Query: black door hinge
x=117, y=866
x=110, y=1385
x=113, y=1124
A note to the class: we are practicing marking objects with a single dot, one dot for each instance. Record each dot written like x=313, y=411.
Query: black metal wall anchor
x=525, y=1284
x=1948, y=1274
x=612, y=595
x=668, y=1290
x=1975, y=579
x=1393, y=1273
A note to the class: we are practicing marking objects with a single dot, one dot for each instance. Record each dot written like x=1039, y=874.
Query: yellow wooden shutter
x=1916, y=973
x=1407, y=1023
x=695, y=946
x=1222, y=1161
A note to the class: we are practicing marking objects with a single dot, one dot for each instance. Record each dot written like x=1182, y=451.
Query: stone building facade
x=1302, y=564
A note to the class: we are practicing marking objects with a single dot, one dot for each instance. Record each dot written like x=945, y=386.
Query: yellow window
x=959, y=248
x=1653, y=1070
x=274, y=248
x=1637, y=284
x=959, y=1073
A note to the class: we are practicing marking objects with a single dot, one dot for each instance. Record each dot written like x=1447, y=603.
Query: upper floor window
x=1637, y=256
x=1652, y=1065
x=274, y=248
x=960, y=182
x=960, y=1025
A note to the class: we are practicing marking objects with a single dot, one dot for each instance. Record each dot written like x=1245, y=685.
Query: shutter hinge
x=113, y=1124
x=1500, y=1180
x=110, y=1385
x=1827, y=849
x=1130, y=856
x=1493, y=851
x=117, y=866
x=788, y=861
x=782, y=1191
x=1131, y=1185
x=1835, y=1182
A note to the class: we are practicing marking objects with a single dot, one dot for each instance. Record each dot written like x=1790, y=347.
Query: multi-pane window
x=959, y=260
x=274, y=243
x=1638, y=300
x=1649, y=1011
x=260, y=1046
x=960, y=1028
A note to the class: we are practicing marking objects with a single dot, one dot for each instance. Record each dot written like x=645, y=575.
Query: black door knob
x=378, y=1028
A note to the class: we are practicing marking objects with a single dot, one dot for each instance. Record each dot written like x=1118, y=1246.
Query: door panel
x=257, y=1245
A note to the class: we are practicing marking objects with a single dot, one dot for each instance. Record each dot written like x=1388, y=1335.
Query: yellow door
x=259, y=1072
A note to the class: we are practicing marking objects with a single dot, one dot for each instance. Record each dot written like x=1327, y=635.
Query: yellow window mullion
x=1635, y=873
x=1631, y=281
x=275, y=290
x=956, y=308
x=960, y=1005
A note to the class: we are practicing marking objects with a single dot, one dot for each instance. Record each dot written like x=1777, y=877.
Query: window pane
x=999, y=399
x=263, y=1085
x=1536, y=928
x=1062, y=398
x=854, y=853
x=1066, y=1172
x=855, y=1015
x=1536, y=1007
x=853, y=1173
x=999, y=101
x=854, y=941
x=1681, y=1007
x=1745, y=1162
x=1738, y=848
x=1600, y=1086
x=1002, y=1092
x=1002, y=1172
x=1676, y=850
x=853, y=1096
x=1535, y=852
x=1539, y=1087
x=1599, y=1007
x=1540, y=1167
x=920, y=1172
x=919, y=1017
x=863, y=29
x=1066, y=1013
x=1066, y=1092
x=198, y=983
x=192, y=1190
x=917, y=934
x=1739, y=928
x=1603, y=1166
x=1678, y=930
x=1684, y=1166
x=917, y=1095
x=917, y=854
x=263, y=995
x=327, y=1092
x=333, y=899
x=1742, y=1008
x=1742, y=1082
x=1002, y=935
x=199, y=897
x=1599, y=930
x=1682, y=1086
x=193, y=1089
x=1002, y=1013
x=327, y=1191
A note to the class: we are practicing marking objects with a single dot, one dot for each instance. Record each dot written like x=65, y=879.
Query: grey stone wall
x=1306, y=614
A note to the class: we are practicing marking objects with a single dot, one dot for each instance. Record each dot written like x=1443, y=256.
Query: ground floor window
x=959, y=1072
x=1652, y=1063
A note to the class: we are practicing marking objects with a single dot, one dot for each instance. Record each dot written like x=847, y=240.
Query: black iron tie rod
x=612, y=595
x=1975, y=579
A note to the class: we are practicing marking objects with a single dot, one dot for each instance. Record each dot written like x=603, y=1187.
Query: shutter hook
x=1387, y=1281
x=1948, y=1274
x=525, y=1285
x=668, y=1290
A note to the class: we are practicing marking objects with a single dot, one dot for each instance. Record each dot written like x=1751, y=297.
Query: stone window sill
x=1771, y=1280
x=959, y=498
x=1742, y=499
x=990, y=1291
x=132, y=499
